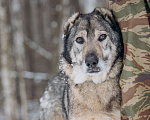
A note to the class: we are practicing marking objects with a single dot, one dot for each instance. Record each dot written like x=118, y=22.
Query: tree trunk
x=16, y=20
x=8, y=83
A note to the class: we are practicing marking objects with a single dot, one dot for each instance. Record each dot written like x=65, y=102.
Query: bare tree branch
x=37, y=76
x=41, y=51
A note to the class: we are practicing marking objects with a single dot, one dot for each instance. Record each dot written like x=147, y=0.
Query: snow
x=72, y=64
x=54, y=24
x=63, y=36
x=61, y=60
x=36, y=76
x=58, y=7
x=33, y=110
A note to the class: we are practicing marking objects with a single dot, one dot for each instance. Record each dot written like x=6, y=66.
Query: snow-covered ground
x=33, y=110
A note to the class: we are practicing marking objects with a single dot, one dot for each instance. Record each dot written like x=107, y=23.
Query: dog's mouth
x=93, y=70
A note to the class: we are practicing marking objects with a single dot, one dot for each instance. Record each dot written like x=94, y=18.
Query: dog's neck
x=74, y=72
x=100, y=90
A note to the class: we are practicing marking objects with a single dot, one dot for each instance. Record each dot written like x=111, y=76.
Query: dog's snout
x=91, y=60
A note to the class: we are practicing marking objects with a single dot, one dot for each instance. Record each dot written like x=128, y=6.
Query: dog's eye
x=80, y=40
x=102, y=37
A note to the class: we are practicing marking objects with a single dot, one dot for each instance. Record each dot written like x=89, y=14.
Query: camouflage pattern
x=135, y=79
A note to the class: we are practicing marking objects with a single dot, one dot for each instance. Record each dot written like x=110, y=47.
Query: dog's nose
x=91, y=60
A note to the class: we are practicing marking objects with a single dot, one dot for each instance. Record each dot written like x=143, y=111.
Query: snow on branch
x=31, y=75
x=36, y=76
x=41, y=51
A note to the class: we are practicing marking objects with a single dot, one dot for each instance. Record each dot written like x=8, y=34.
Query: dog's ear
x=70, y=23
x=67, y=45
x=105, y=14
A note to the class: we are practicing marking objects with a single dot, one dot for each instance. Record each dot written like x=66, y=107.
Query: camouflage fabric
x=135, y=79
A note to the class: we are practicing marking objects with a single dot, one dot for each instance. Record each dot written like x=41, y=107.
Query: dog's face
x=92, y=43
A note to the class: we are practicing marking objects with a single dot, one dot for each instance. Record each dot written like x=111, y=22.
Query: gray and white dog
x=87, y=88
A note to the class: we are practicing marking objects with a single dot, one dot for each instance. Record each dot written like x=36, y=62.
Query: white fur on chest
x=79, y=77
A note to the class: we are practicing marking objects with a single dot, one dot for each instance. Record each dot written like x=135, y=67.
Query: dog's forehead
x=83, y=24
x=90, y=23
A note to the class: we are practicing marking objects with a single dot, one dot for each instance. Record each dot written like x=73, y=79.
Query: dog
x=91, y=65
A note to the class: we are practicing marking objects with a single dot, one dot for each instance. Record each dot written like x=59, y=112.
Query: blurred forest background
x=30, y=45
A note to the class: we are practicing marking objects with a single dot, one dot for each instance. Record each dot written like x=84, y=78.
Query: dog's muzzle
x=91, y=62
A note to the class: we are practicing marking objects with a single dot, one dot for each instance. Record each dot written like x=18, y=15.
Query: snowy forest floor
x=33, y=110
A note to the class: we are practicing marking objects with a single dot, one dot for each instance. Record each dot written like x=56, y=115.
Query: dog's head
x=92, y=43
